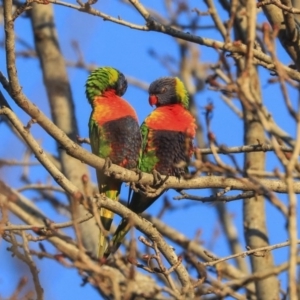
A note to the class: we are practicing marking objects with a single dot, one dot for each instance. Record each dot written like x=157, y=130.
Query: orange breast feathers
x=174, y=118
x=109, y=107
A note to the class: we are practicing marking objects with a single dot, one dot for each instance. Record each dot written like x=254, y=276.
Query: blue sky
x=108, y=44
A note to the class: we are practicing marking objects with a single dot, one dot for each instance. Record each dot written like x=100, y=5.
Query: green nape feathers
x=103, y=79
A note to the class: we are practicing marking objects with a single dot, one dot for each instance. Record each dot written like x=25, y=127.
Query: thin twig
x=258, y=251
x=43, y=227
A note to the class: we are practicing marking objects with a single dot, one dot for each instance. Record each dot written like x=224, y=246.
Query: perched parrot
x=114, y=134
x=167, y=141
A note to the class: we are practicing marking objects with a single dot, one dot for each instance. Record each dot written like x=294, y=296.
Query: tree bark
x=255, y=230
x=254, y=214
x=61, y=104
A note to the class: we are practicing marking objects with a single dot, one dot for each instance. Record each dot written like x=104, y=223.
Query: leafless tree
x=150, y=268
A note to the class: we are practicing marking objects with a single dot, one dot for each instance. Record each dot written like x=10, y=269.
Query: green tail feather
x=111, y=188
x=139, y=203
x=118, y=237
x=106, y=223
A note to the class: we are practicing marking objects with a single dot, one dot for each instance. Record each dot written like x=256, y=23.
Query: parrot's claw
x=81, y=140
x=156, y=177
x=134, y=187
x=139, y=173
x=107, y=164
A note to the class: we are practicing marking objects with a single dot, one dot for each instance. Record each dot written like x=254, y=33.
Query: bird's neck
x=108, y=97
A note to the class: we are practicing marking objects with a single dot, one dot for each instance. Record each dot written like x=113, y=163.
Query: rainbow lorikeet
x=114, y=134
x=167, y=141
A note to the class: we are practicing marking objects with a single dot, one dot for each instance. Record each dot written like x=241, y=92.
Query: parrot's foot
x=139, y=173
x=134, y=186
x=107, y=164
x=179, y=173
x=81, y=140
x=156, y=177
x=146, y=190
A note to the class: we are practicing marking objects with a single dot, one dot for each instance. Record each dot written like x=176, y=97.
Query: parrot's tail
x=119, y=236
x=111, y=191
x=139, y=203
x=106, y=217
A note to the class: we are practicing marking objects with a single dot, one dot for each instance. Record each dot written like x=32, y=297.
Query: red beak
x=152, y=100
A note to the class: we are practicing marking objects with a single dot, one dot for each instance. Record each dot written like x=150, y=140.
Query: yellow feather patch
x=113, y=76
x=106, y=214
x=180, y=89
x=181, y=92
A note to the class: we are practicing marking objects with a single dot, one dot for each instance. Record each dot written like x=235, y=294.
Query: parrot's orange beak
x=152, y=100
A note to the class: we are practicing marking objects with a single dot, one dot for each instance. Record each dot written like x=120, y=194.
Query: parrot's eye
x=121, y=85
x=163, y=90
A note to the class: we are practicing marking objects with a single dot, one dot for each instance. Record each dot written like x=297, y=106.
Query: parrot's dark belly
x=172, y=148
x=125, y=140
